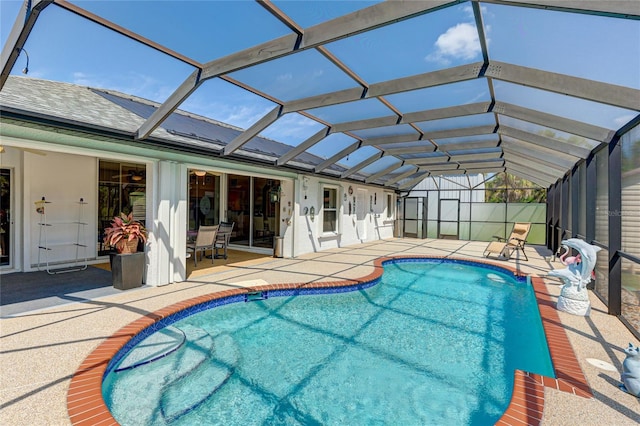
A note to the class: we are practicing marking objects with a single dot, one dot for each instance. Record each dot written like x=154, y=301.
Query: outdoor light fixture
x=274, y=194
x=200, y=173
x=25, y=70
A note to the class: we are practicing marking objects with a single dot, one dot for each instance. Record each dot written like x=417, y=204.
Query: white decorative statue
x=631, y=371
x=574, y=297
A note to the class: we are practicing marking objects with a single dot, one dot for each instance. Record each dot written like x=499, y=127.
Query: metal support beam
x=562, y=124
x=529, y=169
x=292, y=153
x=375, y=157
x=401, y=176
x=536, y=164
x=253, y=131
x=475, y=157
x=336, y=157
x=422, y=81
x=436, y=168
x=610, y=94
x=527, y=148
x=481, y=164
x=383, y=172
x=549, y=160
x=425, y=147
x=575, y=201
x=413, y=117
x=553, y=144
x=386, y=140
x=614, y=297
x=20, y=31
x=371, y=123
x=476, y=170
x=176, y=98
x=527, y=174
x=535, y=179
x=610, y=8
x=369, y=18
x=448, y=112
x=460, y=146
x=564, y=206
x=462, y=131
x=413, y=182
x=447, y=172
x=590, y=206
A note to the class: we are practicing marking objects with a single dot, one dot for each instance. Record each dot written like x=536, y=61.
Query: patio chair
x=222, y=239
x=505, y=247
x=204, y=241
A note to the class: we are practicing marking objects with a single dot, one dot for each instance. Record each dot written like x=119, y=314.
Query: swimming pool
x=396, y=352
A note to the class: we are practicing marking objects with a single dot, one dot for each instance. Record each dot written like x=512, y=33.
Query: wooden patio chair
x=204, y=241
x=505, y=247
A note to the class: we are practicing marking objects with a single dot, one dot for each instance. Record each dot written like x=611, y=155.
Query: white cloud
x=285, y=77
x=458, y=42
x=242, y=116
x=292, y=128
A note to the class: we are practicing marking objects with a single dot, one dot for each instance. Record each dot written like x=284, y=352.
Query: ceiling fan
x=132, y=175
x=31, y=150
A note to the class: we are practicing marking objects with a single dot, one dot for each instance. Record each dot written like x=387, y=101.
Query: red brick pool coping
x=86, y=406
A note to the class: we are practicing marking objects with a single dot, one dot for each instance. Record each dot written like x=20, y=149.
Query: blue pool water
x=434, y=343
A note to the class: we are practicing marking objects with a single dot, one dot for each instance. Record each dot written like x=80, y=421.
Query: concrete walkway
x=41, y=350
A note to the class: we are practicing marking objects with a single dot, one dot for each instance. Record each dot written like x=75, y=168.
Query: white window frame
x=390, y=200
x=323, y=209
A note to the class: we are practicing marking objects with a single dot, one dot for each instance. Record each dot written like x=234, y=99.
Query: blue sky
x=66, y=48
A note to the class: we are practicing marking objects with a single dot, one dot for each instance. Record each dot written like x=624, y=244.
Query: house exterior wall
x=69, y=171
x=63, y=179
x=370, y=223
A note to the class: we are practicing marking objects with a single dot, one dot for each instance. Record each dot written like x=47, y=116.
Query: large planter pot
x=127, y=270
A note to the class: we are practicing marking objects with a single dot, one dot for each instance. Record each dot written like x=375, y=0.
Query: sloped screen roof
x=383, y=92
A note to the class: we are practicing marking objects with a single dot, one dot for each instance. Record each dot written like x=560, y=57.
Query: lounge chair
x=505, y=247
x=204, y=241
x=222, y=239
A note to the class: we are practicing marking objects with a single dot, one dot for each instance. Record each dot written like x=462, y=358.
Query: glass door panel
x=239, y=208
x=122, y=188
x=204, y=200
x=266, y=208
x=6, y=235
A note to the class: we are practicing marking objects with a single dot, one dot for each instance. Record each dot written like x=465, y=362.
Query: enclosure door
x=411, y=219
x=6, y=222
x=448, y=226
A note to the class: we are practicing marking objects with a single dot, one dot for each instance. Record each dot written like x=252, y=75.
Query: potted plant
x=125, y=233
x=127, y=265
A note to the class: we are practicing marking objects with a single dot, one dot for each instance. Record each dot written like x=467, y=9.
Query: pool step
x=156, y=346
x=189, y=391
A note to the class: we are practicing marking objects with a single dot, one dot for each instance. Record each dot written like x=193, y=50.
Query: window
x=122, y=188
x=389, y=206
x=329, y=209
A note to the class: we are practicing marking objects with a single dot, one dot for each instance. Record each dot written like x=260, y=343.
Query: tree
x=505, y=187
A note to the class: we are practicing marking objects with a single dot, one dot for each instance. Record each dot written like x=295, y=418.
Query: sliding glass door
x=253, y=204
x=6, y=224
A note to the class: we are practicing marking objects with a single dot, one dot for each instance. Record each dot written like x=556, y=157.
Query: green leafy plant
x=124, y=233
